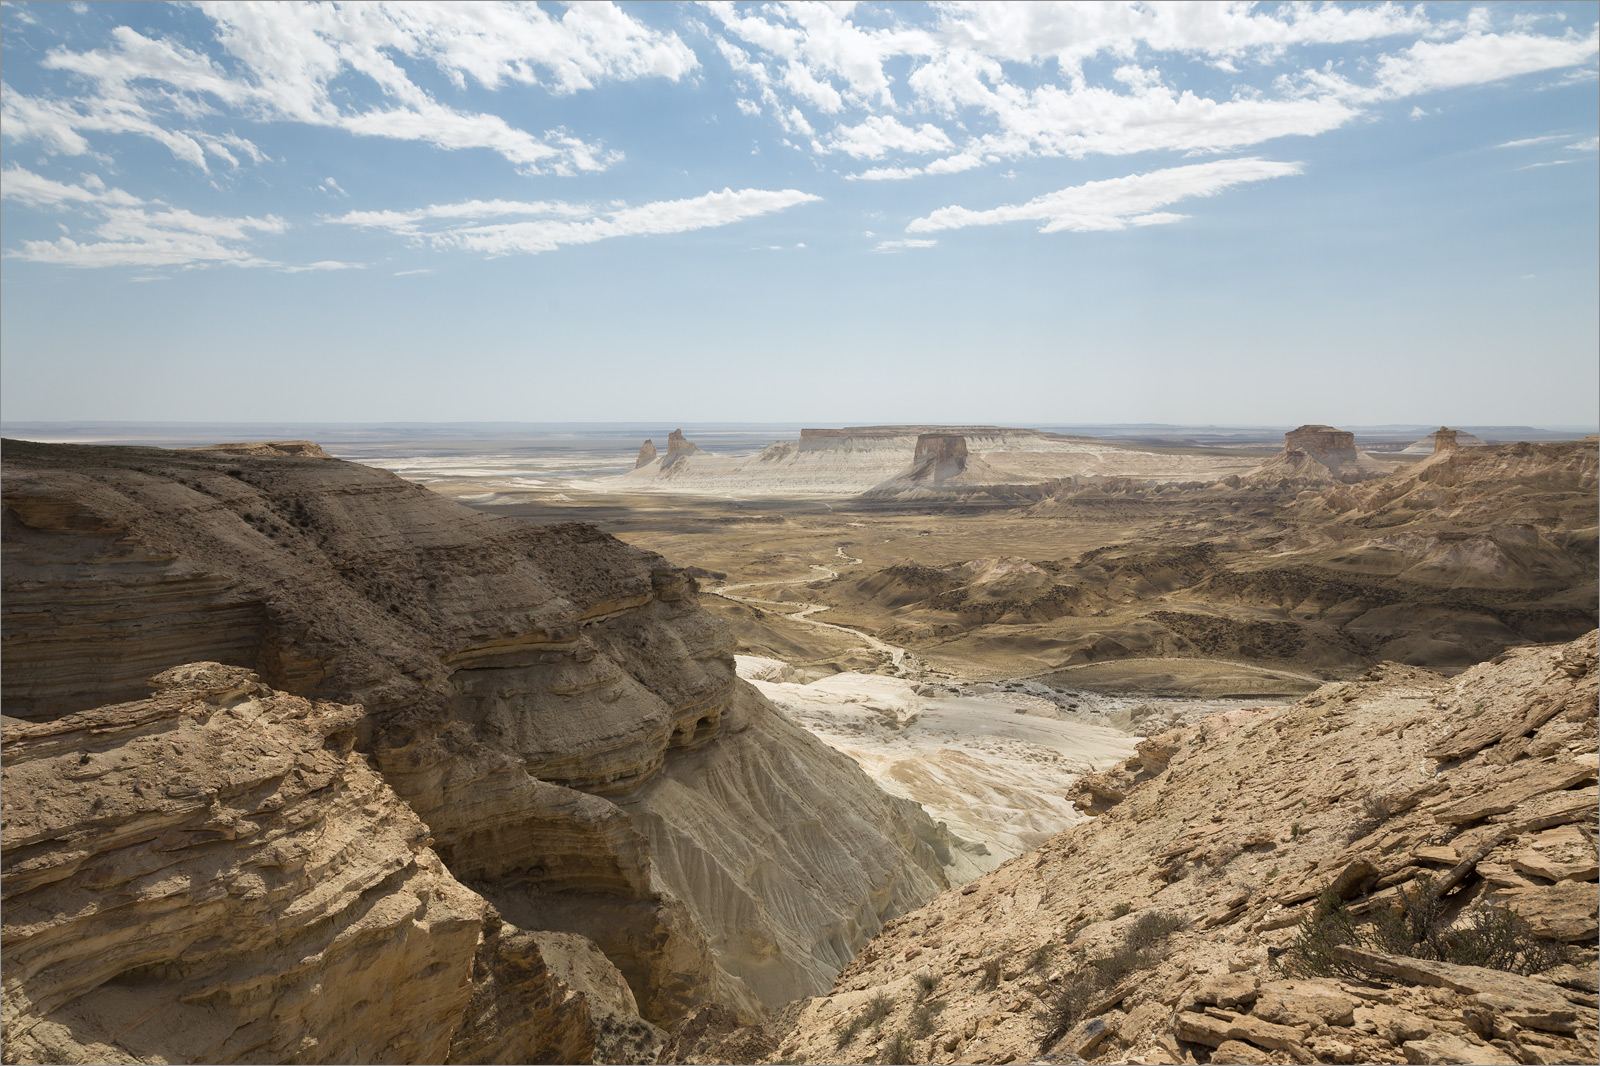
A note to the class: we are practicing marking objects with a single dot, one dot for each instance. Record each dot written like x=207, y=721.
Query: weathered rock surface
x=553, y=704
x=647, y=453
x=1170, y=920
x=212, y=875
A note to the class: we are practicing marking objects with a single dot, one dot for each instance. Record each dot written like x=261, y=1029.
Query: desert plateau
x=800, y=531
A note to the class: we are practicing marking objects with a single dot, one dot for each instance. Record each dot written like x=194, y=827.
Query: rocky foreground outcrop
x=553, y=706
x=1216, y=910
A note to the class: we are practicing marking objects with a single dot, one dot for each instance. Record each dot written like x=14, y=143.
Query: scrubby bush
x=1375, y=810
x=869, y=1016
x=896, y=1051
x=922, y=1016
x=1418, y=926
x=1142, y=946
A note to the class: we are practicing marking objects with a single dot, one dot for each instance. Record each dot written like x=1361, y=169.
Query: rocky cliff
x=552, y=704
x=1396, y=869
x=647, y=453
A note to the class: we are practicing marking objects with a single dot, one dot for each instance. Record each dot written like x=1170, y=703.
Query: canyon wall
x=553, y=706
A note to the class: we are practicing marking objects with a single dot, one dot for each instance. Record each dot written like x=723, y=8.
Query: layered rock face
x=647, y=453
x=184, y=872
x=554, y=705
x=939, y=456
x=1182, y=923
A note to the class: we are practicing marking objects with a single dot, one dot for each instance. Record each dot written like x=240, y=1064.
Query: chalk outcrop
x=647, y=453
x=552, y=704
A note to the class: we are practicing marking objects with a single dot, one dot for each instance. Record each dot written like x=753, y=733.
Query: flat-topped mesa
x=1316, y=454
x=939, y=457
x=1320, y=440
x=1444, y=440
x=647, y=453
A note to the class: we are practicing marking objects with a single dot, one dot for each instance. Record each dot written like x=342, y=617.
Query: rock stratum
x=1196, y=917
x=512, y=763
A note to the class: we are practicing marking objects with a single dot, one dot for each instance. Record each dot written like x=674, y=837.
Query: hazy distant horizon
x=356, y=438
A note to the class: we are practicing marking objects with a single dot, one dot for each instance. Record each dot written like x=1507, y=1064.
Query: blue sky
x=1022, y=213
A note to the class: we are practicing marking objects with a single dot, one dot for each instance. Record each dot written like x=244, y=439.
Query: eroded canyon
x=510, y=757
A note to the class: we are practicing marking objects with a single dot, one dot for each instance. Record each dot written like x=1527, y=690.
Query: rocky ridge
x=1181, y=924
x=553, y=705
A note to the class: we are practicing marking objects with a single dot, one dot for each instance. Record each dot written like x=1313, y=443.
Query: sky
x=1223, y=213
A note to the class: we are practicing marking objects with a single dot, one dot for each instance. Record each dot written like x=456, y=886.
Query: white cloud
x=35, y=190
x=902, y=245
x=980, y=64
x=292, y=63
x=329, y=185
x=881, y=134
x=409, y=273
x=1072, y=32
x=1592, y=144
x=324, y=264
x=134, y=232
x=1115, y=203
x=557, y=224
x=885, y=174
x=1475, y=59
x=1552, y=163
